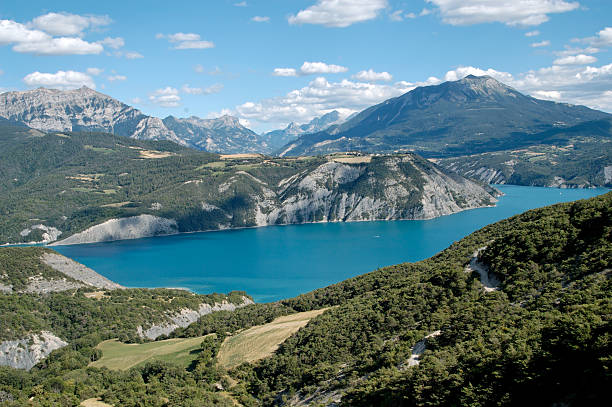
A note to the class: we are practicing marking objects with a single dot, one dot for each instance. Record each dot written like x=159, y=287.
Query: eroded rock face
x=406, y=188
x=186, y=317
x=26, y=352
x=81, y=109
x=133, y=227
x=78, y=271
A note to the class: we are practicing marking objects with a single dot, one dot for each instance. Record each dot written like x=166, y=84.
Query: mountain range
x=85, y=109
x=471, y=115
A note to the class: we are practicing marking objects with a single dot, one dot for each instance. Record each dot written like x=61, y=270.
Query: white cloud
x=198, y=68
x=14, y=32
x=576, y=51
x=60, y=80
x=216, y=88
x=284, y=72
x=579, y=59
x=114, y=78
x=241, y=4
x=604, y=37
x=59, y=46
x=547, y=94
x=186, y=41
x=339, y=13
x=509, y=12
x=534, y=33
x=133, y=55
x=165, y=97
x=425, y=12
x=66, y=24
x=312, y=68
x=410, y=15
x=261, y=19
x=114, y=43
x=463, y=71
x=540, y=44
x=372, y=76
x=317, y=98
x=396, y=15
x=1, y=72
x=94, y=71
x=136, y=100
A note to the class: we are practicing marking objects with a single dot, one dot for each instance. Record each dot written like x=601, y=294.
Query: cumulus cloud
x=66, y=24
x=165, y=97
x=603, y=38
x=114, y=43
x=339, y=13
x=216, y=88
x=540, y=44
x=14, y=32
x=133, y=55
x=534, y=33
x=186, y=41
x=463, y=71
x=547, y=94
x=114, y=78
x=372, y=76
x=94, y=71
x=241, y=4
x=59, y=46
x=580, y=59
x=509, y=12
x=60, y=80
x=284, y=72
x=317, y=98
x=261, y=19
x=310, y=68
x=26, y=40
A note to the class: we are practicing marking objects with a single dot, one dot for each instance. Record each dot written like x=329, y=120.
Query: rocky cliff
x=338, y=188
x=26, y=352
x=81, y=110
x=186, y=317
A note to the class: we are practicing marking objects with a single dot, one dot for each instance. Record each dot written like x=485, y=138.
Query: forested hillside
x=53, y=186
x=517, y=313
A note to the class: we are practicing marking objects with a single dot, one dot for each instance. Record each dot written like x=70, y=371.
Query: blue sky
x=270, y=62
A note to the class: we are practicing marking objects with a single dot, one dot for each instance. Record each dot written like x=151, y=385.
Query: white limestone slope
x=26, y=352
x=186, y=317
x=133, y=227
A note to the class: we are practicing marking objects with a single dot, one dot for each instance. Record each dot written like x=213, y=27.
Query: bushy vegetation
x=543, y=338
x=580, y=162
x=76, y=180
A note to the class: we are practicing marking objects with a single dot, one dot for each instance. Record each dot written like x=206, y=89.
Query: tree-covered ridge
x=73, y=181
x=573, y=163
x=543, y=338
x=76, y=313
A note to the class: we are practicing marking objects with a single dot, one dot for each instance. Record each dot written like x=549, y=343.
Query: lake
x=276, y=262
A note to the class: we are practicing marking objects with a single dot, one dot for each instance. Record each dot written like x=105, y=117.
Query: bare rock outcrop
x=186, y=317
x=26, y=352
x=133, y=227
x=78, y=271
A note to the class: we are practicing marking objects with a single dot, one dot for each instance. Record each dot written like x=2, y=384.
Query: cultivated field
x=120, y=356
x=261, y=341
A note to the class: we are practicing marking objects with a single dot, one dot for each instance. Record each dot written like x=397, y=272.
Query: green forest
x=544, y=337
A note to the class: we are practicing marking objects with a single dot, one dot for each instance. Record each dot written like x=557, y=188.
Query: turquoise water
x=283, y=261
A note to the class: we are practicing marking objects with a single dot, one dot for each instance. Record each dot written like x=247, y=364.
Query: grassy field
x=261, y=341
x=94, y=402
x=120, y=356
